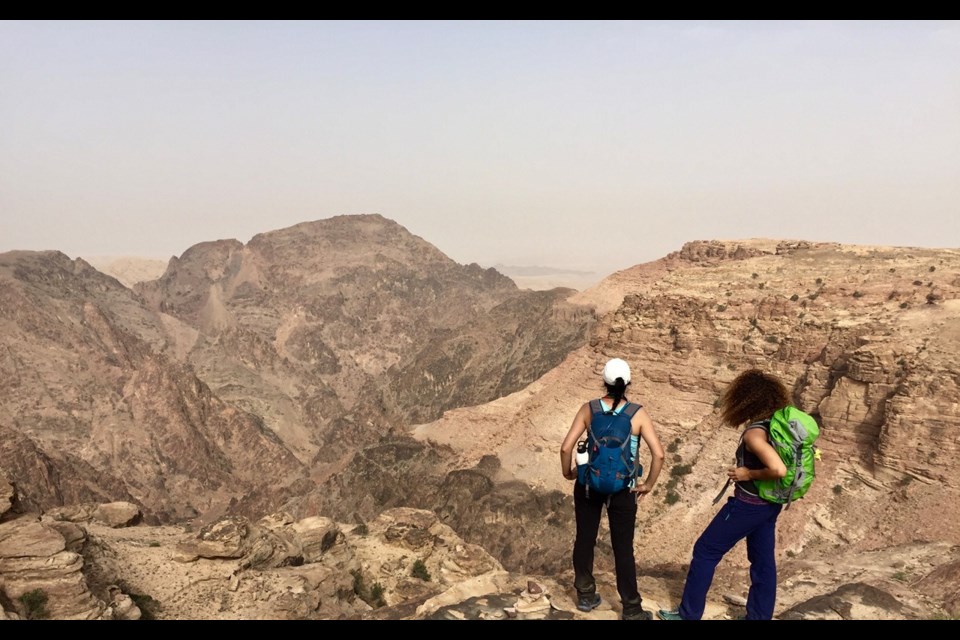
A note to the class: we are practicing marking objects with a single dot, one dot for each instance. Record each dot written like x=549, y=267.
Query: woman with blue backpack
x=772, y=431
x=608, y=473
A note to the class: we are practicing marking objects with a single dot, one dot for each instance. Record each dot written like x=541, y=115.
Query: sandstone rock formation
x=337, y=329
x=91, y=410
x=113, y=514
x=315, y=340
x=8, y=494
x=278, y=568
x=34, y=559
x=856, y=601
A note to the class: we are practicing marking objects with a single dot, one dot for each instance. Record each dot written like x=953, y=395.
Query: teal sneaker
x=672, y=614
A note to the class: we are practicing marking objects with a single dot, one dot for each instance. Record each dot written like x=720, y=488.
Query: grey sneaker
x=638, y=614
x=588, y=602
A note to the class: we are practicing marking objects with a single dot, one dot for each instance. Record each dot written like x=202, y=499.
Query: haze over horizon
x=580, y=145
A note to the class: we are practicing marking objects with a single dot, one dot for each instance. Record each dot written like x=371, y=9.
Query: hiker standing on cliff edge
x=609, y=473
x=752, y=398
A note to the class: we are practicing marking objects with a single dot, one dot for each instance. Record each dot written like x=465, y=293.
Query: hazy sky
x=588, y=145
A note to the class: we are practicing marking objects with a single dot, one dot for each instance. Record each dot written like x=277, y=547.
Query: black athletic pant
x=622, y=515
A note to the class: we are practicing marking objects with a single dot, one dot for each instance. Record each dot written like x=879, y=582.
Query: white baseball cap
x=614, y=369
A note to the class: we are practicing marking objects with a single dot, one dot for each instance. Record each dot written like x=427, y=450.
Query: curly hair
x=752, y=396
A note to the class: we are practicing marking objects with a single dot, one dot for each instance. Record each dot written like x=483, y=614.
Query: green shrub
x=373, y=596
x=147, y=605
x=794, y=298
x=361, y=529
x=35, y=604
x=819, y=280
x=681, y=470
x=358, y=587
x=673, y=446
x=772, y=339
x=900, y=576
x=376, y=596
x=153, y=543
x=420, y=571
x=754, y=276
x=672, y=497
x=917, y=283
x=721, y=307
x=932, y=269
x=904, y=305
x=857, y=294
x=837, y=489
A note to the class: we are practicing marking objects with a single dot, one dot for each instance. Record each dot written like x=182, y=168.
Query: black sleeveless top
x=748, y=459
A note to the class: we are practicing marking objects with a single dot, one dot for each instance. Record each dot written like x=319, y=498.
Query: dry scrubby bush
x=420, y=571
x=35, y=604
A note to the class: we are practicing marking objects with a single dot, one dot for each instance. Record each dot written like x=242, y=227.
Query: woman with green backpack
x=756, y=401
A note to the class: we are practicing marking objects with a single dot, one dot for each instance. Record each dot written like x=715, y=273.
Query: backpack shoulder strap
x=765, y=424
x=595, y=407
x=631, y=409
x=595, y=410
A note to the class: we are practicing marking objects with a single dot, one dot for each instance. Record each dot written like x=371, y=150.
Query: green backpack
x=792, y=433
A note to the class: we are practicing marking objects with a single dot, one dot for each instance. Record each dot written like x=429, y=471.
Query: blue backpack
x=611, y=467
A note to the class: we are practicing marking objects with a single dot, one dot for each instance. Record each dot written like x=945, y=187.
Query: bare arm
x=756, y=441
x=570, y=442
x=642, y=420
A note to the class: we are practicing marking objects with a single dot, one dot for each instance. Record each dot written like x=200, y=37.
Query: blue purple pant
x=734, y=522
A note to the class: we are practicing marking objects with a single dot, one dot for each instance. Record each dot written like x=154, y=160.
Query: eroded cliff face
x=249, y=372
x=92, y=410
x=337, y=329
x=864, y=336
